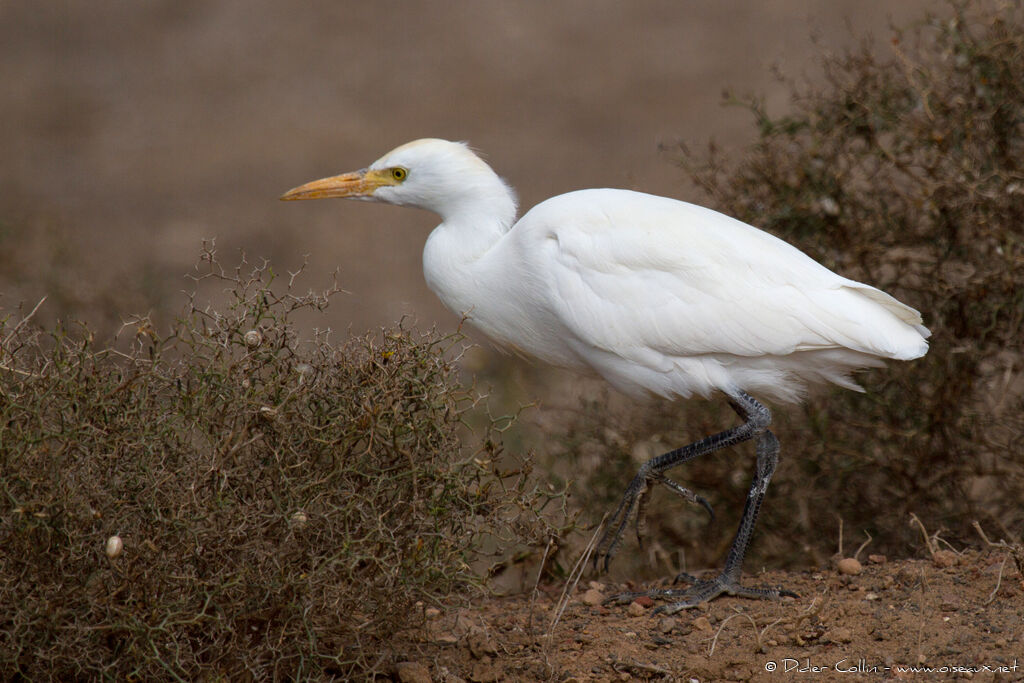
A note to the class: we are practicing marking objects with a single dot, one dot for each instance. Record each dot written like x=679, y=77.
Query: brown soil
x=958, y=621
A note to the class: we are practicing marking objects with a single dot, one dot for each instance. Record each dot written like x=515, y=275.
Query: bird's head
x=432, y=174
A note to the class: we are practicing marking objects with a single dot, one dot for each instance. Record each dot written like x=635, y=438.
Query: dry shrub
x=282, y=504
x=904, y=172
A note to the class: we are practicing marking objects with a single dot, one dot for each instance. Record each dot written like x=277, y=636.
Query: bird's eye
x=399, y=173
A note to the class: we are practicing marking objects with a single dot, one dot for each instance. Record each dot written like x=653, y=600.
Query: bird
x=659, y=297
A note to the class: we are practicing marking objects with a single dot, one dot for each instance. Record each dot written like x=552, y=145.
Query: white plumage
x=653, y=294
x=659, y=295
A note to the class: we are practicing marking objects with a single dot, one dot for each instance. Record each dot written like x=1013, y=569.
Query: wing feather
x=653, y=280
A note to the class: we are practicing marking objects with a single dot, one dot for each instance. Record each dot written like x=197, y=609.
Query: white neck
x=471, y=227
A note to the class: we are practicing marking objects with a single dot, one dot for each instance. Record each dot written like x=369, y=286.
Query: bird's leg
x=756, y=419
x=679, y=489
x=728, y=581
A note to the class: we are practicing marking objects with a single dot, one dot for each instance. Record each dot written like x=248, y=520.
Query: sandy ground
x=948, y=618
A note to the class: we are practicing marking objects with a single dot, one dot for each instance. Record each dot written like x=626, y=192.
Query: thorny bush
x=904, y=172
x=282, y=504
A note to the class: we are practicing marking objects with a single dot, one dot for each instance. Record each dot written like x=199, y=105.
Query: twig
x=536, y=584
x=714, y=641
x=574, y=577
x=22, y=322
x=1015, y=549
x=927, y=539
x=10, y=336
x=16, y=371
x=981, y=532
x=812, y=611
x=760, y=635
x=947, y=544
x=999, y=580
x=863, y=545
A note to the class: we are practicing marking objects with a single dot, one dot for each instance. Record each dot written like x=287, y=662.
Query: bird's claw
x=700, y=591
x=616, y=525
x=686, y=493
x=704, y=590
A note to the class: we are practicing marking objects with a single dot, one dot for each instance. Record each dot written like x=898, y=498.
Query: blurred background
x=133, y=131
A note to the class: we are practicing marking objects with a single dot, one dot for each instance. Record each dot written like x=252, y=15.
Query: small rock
x=949, y=603
x=253, y=338
x=1000, y=642
x=635, y=609
x=114, y=546
x=593, y=597
x=877, y=559
x=644, y=601
x=667, y=624
x=464, y=624
x=446, y=639
x=702, y=624
x=479, y=644
x=432, y=613
x=483, y=672
x=841, y=635
x=849, y=566
x=412, y=672
x=871, y=596
x=446, y=676
x=945, y=558
x=596, y=585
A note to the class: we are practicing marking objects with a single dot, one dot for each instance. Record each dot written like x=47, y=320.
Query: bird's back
x=663, y=296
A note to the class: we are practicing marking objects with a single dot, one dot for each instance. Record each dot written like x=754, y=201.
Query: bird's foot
x=686, y=493
x=634, y=500
x=700, y=590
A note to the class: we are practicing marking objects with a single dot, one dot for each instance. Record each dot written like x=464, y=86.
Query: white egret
x=655, y=295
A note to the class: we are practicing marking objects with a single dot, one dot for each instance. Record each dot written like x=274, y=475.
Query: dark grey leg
x=678, y=489
x=756, y=420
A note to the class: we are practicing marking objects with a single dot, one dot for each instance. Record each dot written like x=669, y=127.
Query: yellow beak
x=356, y=184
